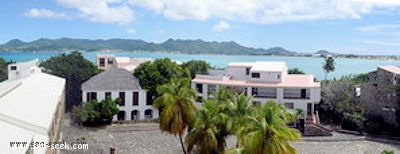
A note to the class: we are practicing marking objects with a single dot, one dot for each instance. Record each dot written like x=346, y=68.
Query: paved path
x=146, y=138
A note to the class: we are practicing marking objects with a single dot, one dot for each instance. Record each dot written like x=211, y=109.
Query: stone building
x=379, y=94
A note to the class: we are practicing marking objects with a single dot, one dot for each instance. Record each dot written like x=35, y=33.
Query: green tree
x=94, y=112
x=295, y=71
x=197, y=67
x=154, y=74
x=75, y=69
x=3, y=69
x=178, y=109
x=266, y=131
x=208, y=129
x=329, y=65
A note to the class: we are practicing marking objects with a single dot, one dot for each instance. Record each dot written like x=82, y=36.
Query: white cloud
x=221, y=26
x=265, y=12
x=393, y=43
x=107, y=11
x=131, y=31
x=38, y=13
x=378, y=28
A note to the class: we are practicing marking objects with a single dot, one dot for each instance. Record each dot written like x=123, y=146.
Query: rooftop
x=391, y=68
x=113, y=79
x=290, y=81
x=269, y=66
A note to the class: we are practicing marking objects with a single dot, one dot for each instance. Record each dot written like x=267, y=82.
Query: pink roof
x=391, y=68
x=292, y=80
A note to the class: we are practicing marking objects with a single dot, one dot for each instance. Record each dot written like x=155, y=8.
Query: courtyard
x=146, y=138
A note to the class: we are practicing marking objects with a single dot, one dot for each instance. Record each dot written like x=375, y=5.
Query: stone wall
x=379, y=94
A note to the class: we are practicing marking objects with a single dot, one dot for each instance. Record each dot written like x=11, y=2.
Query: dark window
x=90, y=96
x=110, y=60
x=303, y=93
x=108, y=94
x=102, y=62
x=248, y=70
x=148, y=114
x=279, y=76
x=199, y=88
x=255, y=75
x=121, y=115
x=122, y=97
x=309, y=108
x=199, y=99
x=135, y=115
x=149, y=99
x=13, y=68
x=135, y=97
x=254, y=91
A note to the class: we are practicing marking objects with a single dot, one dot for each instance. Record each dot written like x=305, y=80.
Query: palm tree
x=267, y=132
x=238, y=110
x=177, y=102
x=329, y=65
x=207, y=132
x=224, y=94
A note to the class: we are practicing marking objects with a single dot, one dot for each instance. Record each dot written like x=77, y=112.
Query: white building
x=31, y=107
x=120, y=83
x=265, y=81
x=110, y=61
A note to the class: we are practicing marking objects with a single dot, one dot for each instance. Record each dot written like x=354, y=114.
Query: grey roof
x=113, y=79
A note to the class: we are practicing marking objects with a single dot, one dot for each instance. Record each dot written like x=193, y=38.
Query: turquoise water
x=309, y=65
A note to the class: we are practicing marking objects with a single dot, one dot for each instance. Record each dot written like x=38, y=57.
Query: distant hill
x=325, y=52
x=171, y=45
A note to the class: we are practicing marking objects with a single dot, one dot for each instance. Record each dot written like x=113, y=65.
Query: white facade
x=270, y=83
x=120, y=83
x=129, y=111
x=31, y=108
x=110, y=61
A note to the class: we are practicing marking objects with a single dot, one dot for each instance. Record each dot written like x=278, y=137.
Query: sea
x=310, y=65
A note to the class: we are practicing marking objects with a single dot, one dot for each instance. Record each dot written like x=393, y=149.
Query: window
x=199, y=88
x=135, y=97
x=255, y=75
x=149, y=100
x=278, y=76
x=254, y=91
x=135, y=115
x=148, y=114
x=303, y=93
x=102, y=62
x=248, y=70
x=211, y=89
x=108, y=94
x=122, y=97
x=199, y=99
x=13, y=68
x=289, y=106
x=121, y=115
x=110, y=60
x=90, y=96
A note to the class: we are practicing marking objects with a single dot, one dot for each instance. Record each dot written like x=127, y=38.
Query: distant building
x=120, y=83
x=110, y=61
x=380, y=92
x=31, y=107
x=265, y=81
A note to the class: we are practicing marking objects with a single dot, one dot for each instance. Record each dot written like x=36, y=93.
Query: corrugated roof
x=113, y=79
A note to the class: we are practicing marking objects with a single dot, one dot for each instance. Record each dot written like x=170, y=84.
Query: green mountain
x=171, y=45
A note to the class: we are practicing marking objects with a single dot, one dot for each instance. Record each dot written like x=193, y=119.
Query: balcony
x=296, y=94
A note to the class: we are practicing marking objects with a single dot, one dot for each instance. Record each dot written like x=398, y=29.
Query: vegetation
x=161, y=71
x=75, y=69
x=96, y=113
x=3, y=69
x=177, y=107
x=197, y=67
x=329, y=65
x=181, y=46
x=295, y=71
x=266, y=131
x=339, y=105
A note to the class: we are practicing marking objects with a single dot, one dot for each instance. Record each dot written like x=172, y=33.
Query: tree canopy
x=94, y=112
x=295, y=71
x=197, y=67
x=3, y=69
x=329, y=65
x=159, y=72
x=75, y=69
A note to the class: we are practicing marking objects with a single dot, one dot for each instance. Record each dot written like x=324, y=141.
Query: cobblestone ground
x=146, y=138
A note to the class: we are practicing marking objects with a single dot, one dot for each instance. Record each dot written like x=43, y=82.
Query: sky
x=343, y=26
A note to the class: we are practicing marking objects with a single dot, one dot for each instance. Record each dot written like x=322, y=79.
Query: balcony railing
x=296, y=97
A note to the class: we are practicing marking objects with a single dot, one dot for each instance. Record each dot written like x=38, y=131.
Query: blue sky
x=342, y=26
